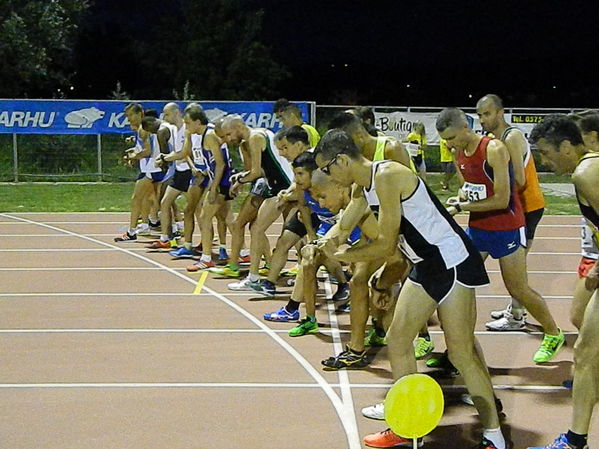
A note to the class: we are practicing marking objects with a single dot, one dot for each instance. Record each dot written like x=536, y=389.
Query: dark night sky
x=443, y=50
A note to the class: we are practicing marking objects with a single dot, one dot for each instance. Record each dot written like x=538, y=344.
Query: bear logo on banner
x=83, y=118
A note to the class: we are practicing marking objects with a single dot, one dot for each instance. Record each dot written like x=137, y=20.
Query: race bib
x=198, y=158
x=474, y=192
x=590, y=238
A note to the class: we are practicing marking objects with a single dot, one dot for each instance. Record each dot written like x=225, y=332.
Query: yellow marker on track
x=200, y=284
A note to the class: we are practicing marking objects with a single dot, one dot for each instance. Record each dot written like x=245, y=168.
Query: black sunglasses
x=327, y=168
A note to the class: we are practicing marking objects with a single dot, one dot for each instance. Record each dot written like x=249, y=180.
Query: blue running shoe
x=282, y=315
x=568, y=383
x=560, y=443
x=265, y=287
x=223, y=257
x=181, y=253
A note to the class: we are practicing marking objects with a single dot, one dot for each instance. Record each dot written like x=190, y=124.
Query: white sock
x=187, y=246
x=244, y=252
x=132, y=231
x=205, y=258
x=496, y=437
x=254, y=277
x=164, y=238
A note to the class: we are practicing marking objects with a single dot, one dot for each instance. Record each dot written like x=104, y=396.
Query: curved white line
x=327, y=389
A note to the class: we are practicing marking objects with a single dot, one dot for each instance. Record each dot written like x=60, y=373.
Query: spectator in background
x=447, y=164
x=418, y=137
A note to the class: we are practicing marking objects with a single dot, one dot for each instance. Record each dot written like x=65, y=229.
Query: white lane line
x=335, y=332
x=346, y=395
x=326, y=388
x=132, y=294
x=185, y=270
x=91, y=385
x=70, y=250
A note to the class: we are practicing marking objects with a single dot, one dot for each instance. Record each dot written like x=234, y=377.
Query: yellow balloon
x=414, y=406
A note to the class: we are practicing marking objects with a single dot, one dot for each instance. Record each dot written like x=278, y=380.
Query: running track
x=106, y=346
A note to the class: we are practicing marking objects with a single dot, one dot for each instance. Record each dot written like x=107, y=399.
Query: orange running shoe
x=159, y=244
x=387, y=439
x=200, y=265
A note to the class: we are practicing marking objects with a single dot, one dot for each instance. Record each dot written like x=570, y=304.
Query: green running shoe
x=305, y=326
x=227, y=271
x=550, y=345
x=423, y=347
x=373, y=339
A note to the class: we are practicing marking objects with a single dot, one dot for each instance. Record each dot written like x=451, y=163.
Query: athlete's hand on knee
x=234, y=191
x=212, y=193
x=381, y=297
x=309, y=252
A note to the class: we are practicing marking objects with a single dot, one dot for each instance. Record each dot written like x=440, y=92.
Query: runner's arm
x=516, y=146
x=257, y=144
x=390, y=189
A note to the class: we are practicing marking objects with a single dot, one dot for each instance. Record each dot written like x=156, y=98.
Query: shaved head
x=171, y=107
x=321, y=180
x=232, y=121
x=490, y=99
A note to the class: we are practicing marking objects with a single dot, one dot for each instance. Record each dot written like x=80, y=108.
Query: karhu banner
x=106, y=117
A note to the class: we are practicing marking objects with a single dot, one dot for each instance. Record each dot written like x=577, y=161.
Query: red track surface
x=105, y=346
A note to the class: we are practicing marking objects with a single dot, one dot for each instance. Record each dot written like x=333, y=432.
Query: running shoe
x=226, y=271
x=264, y=271
x=568, y=383
x=126, y=237
x=344, y=308
x=282, y=315
x=442, y=361
x=291, y=271
x=550, y=345
x=346, y=359
x=200, y=265
x=466, y=398
x=374, y=339
x=159, y=244
x=197, y=250
x=244, y=260
x=342, y=293
x=155, y=225
x=305, y=326
x=560, y=442
x=376, y=411
x=485, y=444
x=181, y=253
x=223, y=257
x=387, y=439
x=265, y=287
x=245, y=285
x=423, y=347
x=143, y=229
x=506, y=323
x=496, y=314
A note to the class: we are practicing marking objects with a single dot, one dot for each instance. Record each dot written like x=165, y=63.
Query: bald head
x=172, y=114
x=232, y=121
x=490, y=100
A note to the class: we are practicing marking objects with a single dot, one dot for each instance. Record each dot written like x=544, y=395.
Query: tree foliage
x=36, y=41
x=218, y=50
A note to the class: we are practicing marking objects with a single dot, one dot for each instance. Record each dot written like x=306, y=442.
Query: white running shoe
x=245, y=285
x=143, y=228
x=376, y=411
x=496, y=314
x=507, y=323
